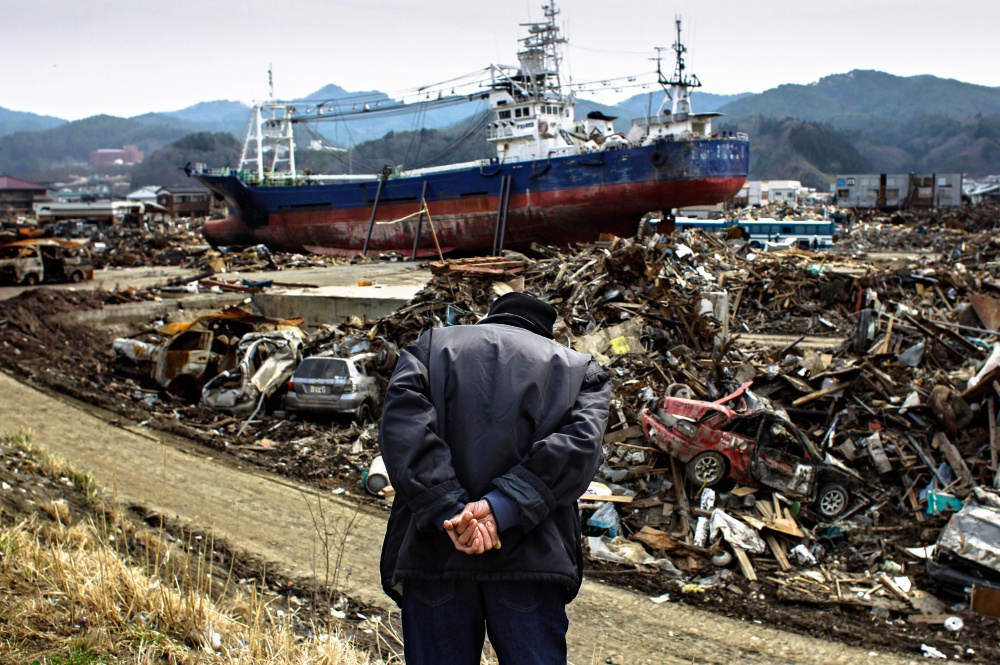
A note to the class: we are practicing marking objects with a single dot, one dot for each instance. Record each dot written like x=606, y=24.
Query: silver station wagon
x=331, y=385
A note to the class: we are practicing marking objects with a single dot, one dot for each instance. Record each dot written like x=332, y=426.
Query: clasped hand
x=474, y=530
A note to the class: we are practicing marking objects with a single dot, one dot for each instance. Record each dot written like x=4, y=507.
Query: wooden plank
x=787, y=527
x=684, y=508
x=955, y=460
x=887, y=582
x=745, y=566
x=926, y=457
x=911, y=496
x=985, y=601
x=765, y=510
x=612, y=498
x=661, y=540
x=929, y=619
x=805, y=399
x=778, y=550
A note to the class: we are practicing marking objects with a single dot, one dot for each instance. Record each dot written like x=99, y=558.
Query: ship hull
x=557, y=201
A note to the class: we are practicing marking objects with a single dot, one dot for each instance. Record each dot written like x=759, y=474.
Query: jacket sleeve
x=417, y=459
x=558, y=468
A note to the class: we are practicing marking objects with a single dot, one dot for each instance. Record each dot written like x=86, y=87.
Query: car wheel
x=832, y=500
x=30, y=279
x=76, y=276
x=363, y=415
x=386, y=359
x=707, y=468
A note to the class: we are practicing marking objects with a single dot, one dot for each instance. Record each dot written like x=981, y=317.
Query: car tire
x=707, y=468
x=832, y=500
x=386, y=359
x=76, y=276
x=30, y=279
x=363, y=414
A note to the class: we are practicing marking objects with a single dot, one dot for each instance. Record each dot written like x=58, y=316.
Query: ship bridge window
x=504, y=115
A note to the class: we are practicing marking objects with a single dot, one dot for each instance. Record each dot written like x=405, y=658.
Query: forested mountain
x=166, y=166
x=858, y=121
x=849, y=100
x=19, y=121
x=71, y=143
x=896, y=124
x=638, y=106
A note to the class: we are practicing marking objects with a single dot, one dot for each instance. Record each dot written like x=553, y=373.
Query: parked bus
x=764, y=232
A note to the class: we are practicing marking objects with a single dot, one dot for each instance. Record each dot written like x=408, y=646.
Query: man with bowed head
x=490, y=433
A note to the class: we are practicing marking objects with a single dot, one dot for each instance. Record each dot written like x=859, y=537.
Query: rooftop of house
x=10, y=182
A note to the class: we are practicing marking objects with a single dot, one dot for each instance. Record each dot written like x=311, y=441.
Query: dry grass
x=73, y=596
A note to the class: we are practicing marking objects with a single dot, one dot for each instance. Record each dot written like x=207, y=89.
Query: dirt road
x=271, y=517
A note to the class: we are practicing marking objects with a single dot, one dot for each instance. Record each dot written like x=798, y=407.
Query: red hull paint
x=557, y=217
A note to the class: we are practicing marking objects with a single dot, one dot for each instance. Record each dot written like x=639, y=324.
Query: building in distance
x=128, y=154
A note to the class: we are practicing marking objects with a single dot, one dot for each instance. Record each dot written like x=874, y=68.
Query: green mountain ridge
x=856, y=121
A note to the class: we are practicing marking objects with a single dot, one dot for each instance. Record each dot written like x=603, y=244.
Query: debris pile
x=888, y=373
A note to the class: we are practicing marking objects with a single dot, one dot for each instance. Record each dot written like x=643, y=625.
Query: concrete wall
x=319, y=309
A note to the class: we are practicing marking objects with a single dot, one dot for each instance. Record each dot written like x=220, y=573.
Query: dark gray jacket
x=473, y=409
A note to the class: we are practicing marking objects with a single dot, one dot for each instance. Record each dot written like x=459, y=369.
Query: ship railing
x=742, y=136
x=429, y=170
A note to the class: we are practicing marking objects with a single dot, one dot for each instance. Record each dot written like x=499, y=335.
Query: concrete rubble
x=889, y=365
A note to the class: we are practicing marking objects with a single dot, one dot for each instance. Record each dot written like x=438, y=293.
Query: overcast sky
x=77, y=58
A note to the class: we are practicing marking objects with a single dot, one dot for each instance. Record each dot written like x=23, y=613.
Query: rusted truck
x=38, y=260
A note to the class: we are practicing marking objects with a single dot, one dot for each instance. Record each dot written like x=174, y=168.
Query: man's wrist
x=504, y=509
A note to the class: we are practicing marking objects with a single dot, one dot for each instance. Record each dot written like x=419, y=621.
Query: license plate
x=316, y=390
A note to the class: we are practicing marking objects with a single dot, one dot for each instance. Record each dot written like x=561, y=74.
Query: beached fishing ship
x=554, y=179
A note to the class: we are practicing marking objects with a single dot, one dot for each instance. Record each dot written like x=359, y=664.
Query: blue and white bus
x=765, y=232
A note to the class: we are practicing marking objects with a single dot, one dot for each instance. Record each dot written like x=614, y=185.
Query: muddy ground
x=77, y=361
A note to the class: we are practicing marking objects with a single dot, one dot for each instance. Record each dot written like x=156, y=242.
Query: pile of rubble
x=884, y=378
x=894, y=373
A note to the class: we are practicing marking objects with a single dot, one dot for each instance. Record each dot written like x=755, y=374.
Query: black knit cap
x=523, y=311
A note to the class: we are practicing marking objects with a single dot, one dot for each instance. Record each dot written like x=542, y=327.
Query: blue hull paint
x=561, y=199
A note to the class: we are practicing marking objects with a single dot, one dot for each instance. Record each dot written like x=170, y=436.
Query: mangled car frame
x=745, y=438
x=181, y=357
x=265, y=361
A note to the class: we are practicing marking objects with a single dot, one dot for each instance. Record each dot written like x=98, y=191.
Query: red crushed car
x=745, y=438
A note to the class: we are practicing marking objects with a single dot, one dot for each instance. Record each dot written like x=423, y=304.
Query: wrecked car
x=266, y=360
x=34, y=261
x=330, y=385
x=967, y=553
x=745, y=438
x=181, y=357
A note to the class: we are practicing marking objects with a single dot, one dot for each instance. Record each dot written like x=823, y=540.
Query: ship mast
x=540, y=57
x=678, y=88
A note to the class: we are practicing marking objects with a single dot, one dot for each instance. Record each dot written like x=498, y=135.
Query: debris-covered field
x=813, y=499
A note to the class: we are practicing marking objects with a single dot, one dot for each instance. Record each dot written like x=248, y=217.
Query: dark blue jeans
x=445, y=621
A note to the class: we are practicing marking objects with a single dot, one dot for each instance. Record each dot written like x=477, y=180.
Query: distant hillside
x=898, y=124
x=858, y=121
x=165, y=166
x=20, y=121
x=791, y=149
x=218, y=116
x=638, y=106
x=72, y=142
x=846, y=99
